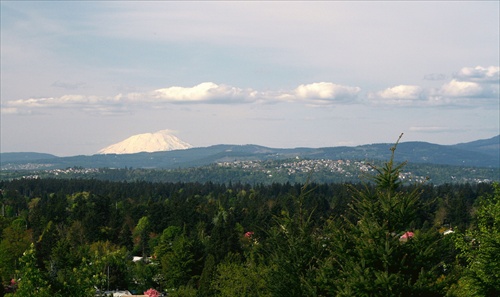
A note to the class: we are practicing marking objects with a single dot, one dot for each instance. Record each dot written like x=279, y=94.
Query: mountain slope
x=147, y=142
x=487, y=146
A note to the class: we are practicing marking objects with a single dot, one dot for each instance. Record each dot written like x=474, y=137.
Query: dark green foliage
x=207, y=276
x=234, y=278
x=178, y=257
x=480, y=248
x=145, y=276
x=261, y=239
x=15, y=240
x=370, y=254
x=224, y=238
x=46, y=243
x=294, y=250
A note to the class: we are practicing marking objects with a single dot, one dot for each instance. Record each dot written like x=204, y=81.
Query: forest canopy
x=82, y=237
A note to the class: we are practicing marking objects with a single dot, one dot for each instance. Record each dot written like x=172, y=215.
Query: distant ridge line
x=481, y=153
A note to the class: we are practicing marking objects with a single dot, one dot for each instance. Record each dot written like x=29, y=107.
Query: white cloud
x=464, y=93
x=479, y=74
x=457, y=88
x=403, y=95
x=469, y=85
x=401, y=92
x=325, y=90
x=63, y=101
x=320, y=93
x=208, y=92
x=474, y=88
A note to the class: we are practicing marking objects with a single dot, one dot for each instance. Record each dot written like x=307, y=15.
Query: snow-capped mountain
x=148, y=142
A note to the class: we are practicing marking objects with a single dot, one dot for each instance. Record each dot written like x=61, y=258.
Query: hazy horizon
x=242, y=144
x=77, y=76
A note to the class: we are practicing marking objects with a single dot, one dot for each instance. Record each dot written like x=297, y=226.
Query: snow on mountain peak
x=148, y=142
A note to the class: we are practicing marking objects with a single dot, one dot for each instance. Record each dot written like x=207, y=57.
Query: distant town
x=265, y=171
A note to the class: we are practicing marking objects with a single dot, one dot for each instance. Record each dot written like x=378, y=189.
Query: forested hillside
x=67, y=237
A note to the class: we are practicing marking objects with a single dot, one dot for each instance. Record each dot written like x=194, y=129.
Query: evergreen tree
x=378, y=250
x=176, y=254
x=294, y=250
x=206, y=278
x=224, y=237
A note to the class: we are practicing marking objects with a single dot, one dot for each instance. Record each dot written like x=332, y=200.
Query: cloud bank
x=479, y=74
x=203, y=93
x=471, y=86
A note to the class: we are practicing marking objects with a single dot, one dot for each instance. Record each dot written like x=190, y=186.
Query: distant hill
x=24, y=157
x=481, y=153
x=487, y=146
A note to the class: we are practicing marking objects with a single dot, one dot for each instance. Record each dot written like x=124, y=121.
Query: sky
x=77, y=76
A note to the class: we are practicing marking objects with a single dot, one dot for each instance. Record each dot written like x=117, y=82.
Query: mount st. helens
x=148, y=142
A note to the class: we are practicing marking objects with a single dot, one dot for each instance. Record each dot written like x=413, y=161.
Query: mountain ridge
x=480, y=153
x=27, y=156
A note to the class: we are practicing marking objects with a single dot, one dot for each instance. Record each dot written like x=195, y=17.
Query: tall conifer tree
x=378, y=250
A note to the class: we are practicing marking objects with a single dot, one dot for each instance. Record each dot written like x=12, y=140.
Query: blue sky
x=79, y=76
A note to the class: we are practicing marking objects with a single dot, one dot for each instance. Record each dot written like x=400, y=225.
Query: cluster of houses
x=347, y=168
x=298, y=165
